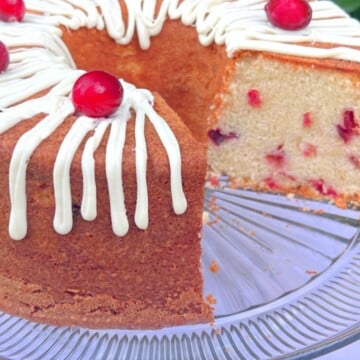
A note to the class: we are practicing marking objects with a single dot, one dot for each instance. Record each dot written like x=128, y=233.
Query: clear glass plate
x=285, y=274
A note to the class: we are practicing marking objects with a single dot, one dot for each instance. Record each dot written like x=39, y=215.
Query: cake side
x=90, y=277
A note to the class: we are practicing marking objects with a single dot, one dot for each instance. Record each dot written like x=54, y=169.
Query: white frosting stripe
x=114, y=153
x=29, y=37
x=11, y=116
x=171, y=145
x=63, y=219
x=18, y=165
x=30, y=86
x=89, y=203
x=142, y=202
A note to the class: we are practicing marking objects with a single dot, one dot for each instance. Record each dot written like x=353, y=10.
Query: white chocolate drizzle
x=63, y=219
x=41, y=63
x=88, y=204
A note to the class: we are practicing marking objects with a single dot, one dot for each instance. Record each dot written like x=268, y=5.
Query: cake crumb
x=205, y=217
x=341, y=203
x=233, y=184
x=214, y=266
x=214, y=221
x=210, y=299
x=213, y=181
x=212, y=204
x=311, y=272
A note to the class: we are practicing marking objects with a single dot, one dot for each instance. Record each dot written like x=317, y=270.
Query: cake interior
x=286, y=117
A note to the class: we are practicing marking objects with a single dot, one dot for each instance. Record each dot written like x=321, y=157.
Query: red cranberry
x=322, y=188
x=307, y=120
x=308, y=149
x=276, y=158
x=355, y=160
x=12, y=10
x=271, y=183
x=4, y=57
x=214, y=181
x=217, y=136
x=344, y=133
x=349, y=126
x=253, y=97
x=289, y=14
x=97, y=94
x=349, y=119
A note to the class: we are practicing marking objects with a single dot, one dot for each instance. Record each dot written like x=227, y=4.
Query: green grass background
x=351, y=6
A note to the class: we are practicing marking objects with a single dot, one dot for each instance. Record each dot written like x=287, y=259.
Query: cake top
x=239, y=25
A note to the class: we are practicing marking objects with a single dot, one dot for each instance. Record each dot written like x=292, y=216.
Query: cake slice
x=146, y=278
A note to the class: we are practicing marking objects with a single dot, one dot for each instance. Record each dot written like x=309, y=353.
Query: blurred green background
x=351, y=6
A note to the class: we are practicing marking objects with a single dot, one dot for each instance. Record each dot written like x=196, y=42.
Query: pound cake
x=113, y=115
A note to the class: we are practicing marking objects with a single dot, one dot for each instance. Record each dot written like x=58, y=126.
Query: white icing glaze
x=115, y=145
x=142, y=203
x=40, y=61
x=88, y=203
x=63, y=219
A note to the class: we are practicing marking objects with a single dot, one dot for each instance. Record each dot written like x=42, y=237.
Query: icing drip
x=141, y=219
x=171, y=145
x=238, y=24
x=18, y=165
x=88, y=204
x=115, y=145
x=63, y=219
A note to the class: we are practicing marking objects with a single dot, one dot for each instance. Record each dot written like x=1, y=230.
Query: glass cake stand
x=285, y=275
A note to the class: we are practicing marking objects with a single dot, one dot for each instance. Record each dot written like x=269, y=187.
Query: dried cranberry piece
x=218, y=137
